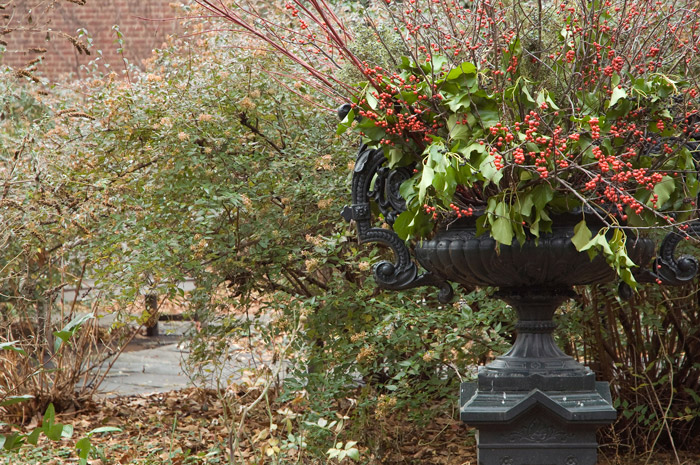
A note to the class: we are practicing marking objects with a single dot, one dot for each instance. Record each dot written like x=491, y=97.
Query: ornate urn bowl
x=534, y=405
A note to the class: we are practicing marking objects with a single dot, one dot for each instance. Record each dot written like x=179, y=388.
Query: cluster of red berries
x=430, y=211
x=461, y=212
x=595, y=128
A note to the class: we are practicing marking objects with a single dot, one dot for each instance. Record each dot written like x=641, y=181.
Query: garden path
x=156, y=364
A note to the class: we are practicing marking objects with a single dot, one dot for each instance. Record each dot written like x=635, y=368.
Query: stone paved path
x=150, y=364
x=155, y=364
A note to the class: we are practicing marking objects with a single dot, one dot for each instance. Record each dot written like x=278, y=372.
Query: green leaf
x=53, y=431
x=104, y=429
x=599, y=243
x=371, y=130
x=526, y=204
x=353, y=454
x=10, y=345
x=67, y=431
x=502, y=226
x=582, y=235
x=346, y=123
x=371, y=99
x=395, y=156
x=617, y=94
x=488, y=170
x=460, y=101
x=77, y=321
x=61, y=337
x=542, y=195
x=11, y=400
x=11, y=441
x=50, y=414
x=69, y=329
x=488, y=113
x=615, y=80
x=456, y=130
x=83, y=447
x=426, y=181
x=33, y=437
x=474, y=147
x=464, y=68
x=526, y=92
x=437, y=62
x=543, y=97
x=664, y=190
x=502, y=231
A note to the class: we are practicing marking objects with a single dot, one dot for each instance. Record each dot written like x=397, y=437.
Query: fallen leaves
x=189, y=427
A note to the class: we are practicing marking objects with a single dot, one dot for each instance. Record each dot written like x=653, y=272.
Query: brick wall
x=97, y=17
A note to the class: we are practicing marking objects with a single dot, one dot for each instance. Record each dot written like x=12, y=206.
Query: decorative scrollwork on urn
x=374, y=182
x=676, y=271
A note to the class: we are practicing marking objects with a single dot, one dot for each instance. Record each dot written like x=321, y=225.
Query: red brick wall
x=62, y=58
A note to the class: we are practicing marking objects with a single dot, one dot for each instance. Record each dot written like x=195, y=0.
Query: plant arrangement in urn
x=515, y=110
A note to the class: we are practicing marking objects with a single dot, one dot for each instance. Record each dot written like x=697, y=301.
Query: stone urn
x=534, y=405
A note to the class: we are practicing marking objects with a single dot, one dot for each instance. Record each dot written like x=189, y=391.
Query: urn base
x=536, y=427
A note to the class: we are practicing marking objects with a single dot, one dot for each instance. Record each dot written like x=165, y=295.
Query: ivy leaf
x=582, y=235
x=426, y=181
x=502, y=227
x=346, y=123
x=488, y=113
x=542, y=195
x=543, y=97
x=371, y=99
x=488, y=170
x=617, y=94
x=502, y=231
x=450, y=179
x=435, y=65
x=615, y=79
x=457, y=131
x=371, y=130
x=464, y=68
x=458, y=102
x=526, y=204
x=401, y=224
x=664, y=189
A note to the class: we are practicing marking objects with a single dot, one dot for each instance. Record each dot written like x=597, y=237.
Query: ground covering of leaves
x=185, y=427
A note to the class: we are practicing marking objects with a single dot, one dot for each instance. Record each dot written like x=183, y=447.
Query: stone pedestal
x=536, y=427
